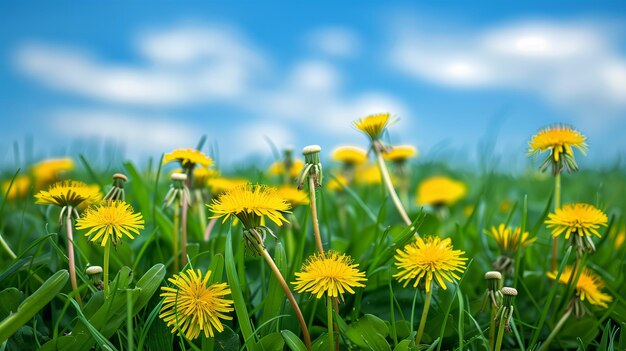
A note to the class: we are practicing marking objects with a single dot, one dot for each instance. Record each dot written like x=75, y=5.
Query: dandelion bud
x=312, y=166
x=117, y=190
x=95, y=273
x=493, y=288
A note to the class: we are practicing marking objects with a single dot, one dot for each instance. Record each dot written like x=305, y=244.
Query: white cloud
x=335, y=41
x=140, y=135
x=183, y=65
x=572, y=65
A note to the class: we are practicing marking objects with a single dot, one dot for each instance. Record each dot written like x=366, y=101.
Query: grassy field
x=39, y=308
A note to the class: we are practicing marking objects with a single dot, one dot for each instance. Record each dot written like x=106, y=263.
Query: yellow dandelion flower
x=108, y=220
x=188, y=158
x=440, y=191
x=278, y=168
x=368, y=175
x=192, y=307
x=508, y=239
x=432, y=258
x=582, y=219
x=337, y=183
x=589, y=286
x=19, y=188
x=68, y=193
x=373, y=125
x=48, y=171
x=220, y=184
x=250, y=204
x=331, y=273
x=400, y=153
x=350, y=155
x=560, y=141
x=293, y=196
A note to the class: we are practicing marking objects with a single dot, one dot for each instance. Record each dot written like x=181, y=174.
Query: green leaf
x=112, y=312
x=227, y=340
x=32, y=304
x=240, y=303
x=404, y=345
x=369, y=332
x=293, y=342
x=10, y=297
x=272, y=342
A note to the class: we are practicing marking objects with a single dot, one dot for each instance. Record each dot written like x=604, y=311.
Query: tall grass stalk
x=390, y=189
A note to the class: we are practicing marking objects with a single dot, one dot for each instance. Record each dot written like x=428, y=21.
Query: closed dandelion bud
x=506, y=310
x=95, y=274
x=117, y=190
x=312, y=166
x=177, y=189
x=493, y=288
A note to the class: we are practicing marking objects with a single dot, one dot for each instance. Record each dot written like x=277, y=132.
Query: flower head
x=278, y=168
x=330, y=273
x=250, y=204
x=559, y=140
x=192, y=307
x=439, y=191
x=579, y=218
x=368, y=175
x=48, y=171
x=293, y=196
x=337, y=183
x=220, y=184
x=589, y=286
x=109, y=220
x=19, y=188
x=431, y=258
x=68, y=193
x=508, y=239
x=188, y=158
x=373, y=125
x=350, y=155
x=400, y=153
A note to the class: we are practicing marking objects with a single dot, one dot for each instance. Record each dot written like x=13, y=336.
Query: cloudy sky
x=150, y=76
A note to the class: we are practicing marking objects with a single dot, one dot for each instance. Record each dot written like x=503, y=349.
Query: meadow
x=377, y=251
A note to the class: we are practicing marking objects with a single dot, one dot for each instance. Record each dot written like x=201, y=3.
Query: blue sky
x=155, y=75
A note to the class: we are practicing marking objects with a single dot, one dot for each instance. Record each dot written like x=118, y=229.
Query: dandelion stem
x=492, y=326
x=290, y=297
x=500, y=333
x=420, y=330
x=390, y=189
x=184, y=226
x=176, y=225
x=129, y=319
x=209, y=228
x=70, y=254
x=331, y=337
x=316, y=225
x=107, y=252
x=201, y=209
x=556, y=329
x=557, y=205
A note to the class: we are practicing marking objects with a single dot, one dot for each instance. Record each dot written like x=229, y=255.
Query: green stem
x=289, y=294
x=185, y=207
x=176, y=225
x=557, y=205
x=420, y=330
x=390, y=189
x=331, y=337
x=556, y=329
x=7, y=248
x=316, y=224
x=129, y=320
x=500, y=332
x=201, y=210
x=70, y=254
x=492, y=326
x=107, y=252
x=413, y=308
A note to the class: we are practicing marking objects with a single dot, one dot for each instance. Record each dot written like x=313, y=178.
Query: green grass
x=358, y=221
